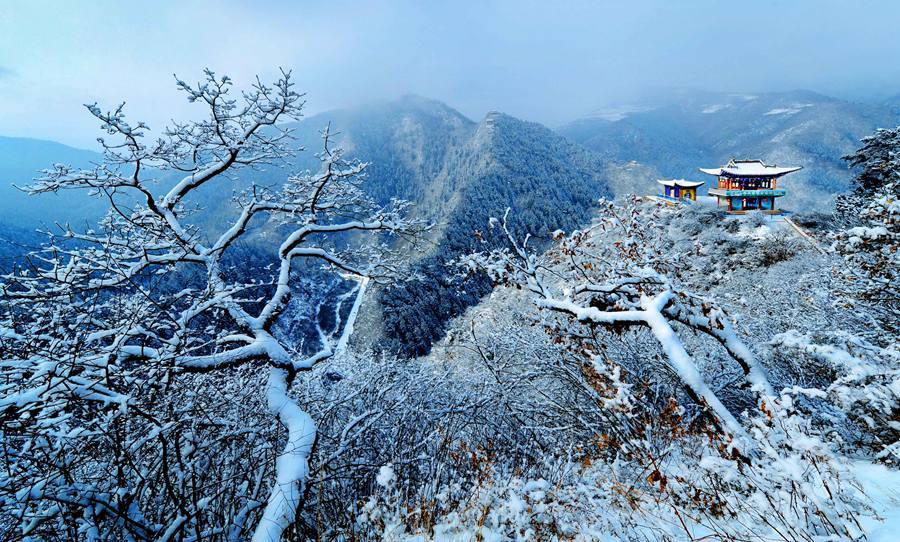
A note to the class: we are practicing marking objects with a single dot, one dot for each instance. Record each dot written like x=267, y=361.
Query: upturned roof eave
x=680, y=183
x=724, y=172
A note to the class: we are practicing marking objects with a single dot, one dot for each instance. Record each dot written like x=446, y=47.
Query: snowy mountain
x=406, y=142
x=548, y=183
x=649, y=372
x=459, y=174
x=20, y=161
x=777, y=289
x=684, y=130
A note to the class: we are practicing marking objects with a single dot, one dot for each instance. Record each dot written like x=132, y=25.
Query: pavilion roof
x=680, y=182
x=749, y=168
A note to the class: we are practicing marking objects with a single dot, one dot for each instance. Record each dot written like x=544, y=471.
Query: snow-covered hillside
x=775, y=286
x=224, y=357
x=683, y=130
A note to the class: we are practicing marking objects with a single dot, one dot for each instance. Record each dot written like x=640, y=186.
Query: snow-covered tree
x=879, y=160
x=138, y=357
x=858, y=354
x=626, y=288
x=766, y=466
x=871, y=244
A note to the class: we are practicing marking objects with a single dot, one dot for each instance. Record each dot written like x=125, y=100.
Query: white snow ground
x=882, y=485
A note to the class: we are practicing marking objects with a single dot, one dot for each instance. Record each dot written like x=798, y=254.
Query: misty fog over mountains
x=410, y=141
x=459, y=172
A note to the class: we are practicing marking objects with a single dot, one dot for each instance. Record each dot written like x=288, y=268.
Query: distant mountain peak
x=678, y=132
x=414, y=105
x=498, y=117
x=20, y=160
x=422, y=101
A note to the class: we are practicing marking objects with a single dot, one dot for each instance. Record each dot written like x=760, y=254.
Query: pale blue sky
x=544, y=61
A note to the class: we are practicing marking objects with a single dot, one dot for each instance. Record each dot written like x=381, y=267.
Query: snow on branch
x=151, y=286
x=628, y=288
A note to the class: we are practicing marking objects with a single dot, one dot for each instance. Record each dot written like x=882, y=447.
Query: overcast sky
x=544, y=61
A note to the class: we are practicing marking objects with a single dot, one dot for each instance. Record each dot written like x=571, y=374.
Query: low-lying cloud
x=549, y=62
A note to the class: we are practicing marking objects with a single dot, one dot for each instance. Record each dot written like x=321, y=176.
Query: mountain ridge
x=464, y=174
x=460, y=173
x=688, y=130
x=21, y=159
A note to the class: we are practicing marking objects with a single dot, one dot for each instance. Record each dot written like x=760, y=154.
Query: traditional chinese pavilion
x=677, y=191
x=748, y=185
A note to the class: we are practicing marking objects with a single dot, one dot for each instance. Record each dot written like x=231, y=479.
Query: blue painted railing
x=748, y=193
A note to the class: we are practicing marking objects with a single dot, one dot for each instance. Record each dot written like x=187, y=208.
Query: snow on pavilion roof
x=680, y=182
x=750, y=168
